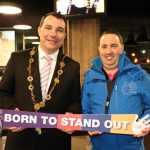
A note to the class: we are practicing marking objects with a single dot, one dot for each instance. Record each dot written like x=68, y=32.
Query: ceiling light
x=31, y=37
x=142, y=38
x=9, y=8
x=130, y=42
x=22, y=26
x=36, y=43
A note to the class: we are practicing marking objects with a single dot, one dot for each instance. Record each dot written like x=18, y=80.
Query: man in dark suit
x=20, y=88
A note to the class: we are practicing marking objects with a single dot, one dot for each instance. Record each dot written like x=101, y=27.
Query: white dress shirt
x=42, y=61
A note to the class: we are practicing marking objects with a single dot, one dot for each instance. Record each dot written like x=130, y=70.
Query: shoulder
x=138, y=73
x=22, y=52
x=68, y=61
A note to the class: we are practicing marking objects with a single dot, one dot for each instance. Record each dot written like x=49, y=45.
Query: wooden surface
x=147, y=142
x=82, y=41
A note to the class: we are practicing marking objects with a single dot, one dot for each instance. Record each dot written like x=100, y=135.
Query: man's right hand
x=16, y=129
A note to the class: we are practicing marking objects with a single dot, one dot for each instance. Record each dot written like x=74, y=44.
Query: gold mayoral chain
x=37, y=106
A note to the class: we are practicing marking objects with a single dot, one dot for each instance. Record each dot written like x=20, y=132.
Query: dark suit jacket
x=14, y=93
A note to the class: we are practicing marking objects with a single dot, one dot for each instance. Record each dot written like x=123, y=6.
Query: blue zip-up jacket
x=130, y=94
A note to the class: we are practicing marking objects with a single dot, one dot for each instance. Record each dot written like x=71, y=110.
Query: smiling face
x=52, y=34
x=110, y=49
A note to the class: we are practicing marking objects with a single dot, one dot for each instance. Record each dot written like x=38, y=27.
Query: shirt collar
x=42, y=54
x=112, y=76
x=109, y=75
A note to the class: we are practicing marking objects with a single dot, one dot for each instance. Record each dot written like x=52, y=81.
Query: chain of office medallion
x=37, y=106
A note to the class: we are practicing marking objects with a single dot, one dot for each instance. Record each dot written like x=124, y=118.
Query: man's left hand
x=143, y=133
x=69, y=131
x=146, y=130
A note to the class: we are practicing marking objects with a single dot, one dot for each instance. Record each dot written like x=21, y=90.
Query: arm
x=146, y=94
x=85, y=100
x=146, y=103
x=7, y=90
x=7, y=86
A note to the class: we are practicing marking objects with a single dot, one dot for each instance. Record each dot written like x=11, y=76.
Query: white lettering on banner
x=16, y=118
x=28, y=119
x=95, y=123
x=64, y=121
x=71, y=121
x=51, y=120
x=116, y=124
x=79, y=122
x=125, y=124
x=108, y=124
x=44, y=119
x=20, y=118
x=87, y=123
x=7, y=118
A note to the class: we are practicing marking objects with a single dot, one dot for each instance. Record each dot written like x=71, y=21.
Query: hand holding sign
x=138, y=126
x=94, y=132
x=16, y=129
x=69, y=131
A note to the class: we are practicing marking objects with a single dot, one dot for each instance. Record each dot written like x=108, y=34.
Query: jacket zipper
x=116, y=100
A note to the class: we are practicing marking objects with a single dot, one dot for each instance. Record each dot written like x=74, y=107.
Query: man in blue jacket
x=114, y=85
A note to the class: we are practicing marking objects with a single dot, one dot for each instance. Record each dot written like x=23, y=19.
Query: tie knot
x=48, y=58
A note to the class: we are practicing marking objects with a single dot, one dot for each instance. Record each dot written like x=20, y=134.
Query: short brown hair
x=113, y=31
x=57, y=15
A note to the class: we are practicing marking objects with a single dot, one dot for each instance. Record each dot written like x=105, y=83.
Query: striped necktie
x=45, y=71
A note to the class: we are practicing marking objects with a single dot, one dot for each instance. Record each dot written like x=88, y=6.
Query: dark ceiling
x=129, y=8
x=33, y=10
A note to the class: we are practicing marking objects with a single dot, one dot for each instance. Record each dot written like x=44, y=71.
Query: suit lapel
x=36, y=76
